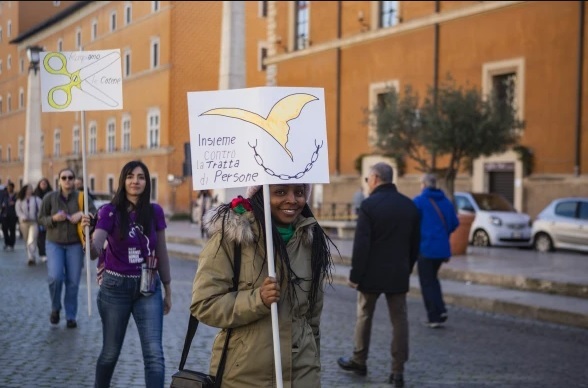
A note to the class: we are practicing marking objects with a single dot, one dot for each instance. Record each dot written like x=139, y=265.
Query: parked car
x=101, y=199
x=496, y=221
x=562, y=224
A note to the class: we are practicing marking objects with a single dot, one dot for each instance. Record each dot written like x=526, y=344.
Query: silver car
x=562, y=224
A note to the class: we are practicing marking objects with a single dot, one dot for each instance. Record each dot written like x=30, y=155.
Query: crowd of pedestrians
x=393, y=234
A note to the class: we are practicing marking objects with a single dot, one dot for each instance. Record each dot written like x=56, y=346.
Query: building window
x=92, y=184
x=505, y=80
x=128, y=14
x=154, y=53
x=56, y=143
x=8, y=103
x=388, y=13
x=113, y=21
x=377, y=98
x=154, y=188
x=21, y=98
x=0, y=66
x=9, y=29
x=154, y=6
x=92, y=146
x=127, y=64
x=8, y=153
x=42, y=144
x=76, y=139
x=301, y=32
x=94, y=29
x=60, y=45
x=56, y=3
x=1, y=105
x=110, y=135
x=20, y=148
x=153, y=128
x=262, y=55
x=0, y=34
x=110, y=184
x=0, y=157
x=79, y=38
x=262, y=9
x=9, y=62
x=126, y=133
x=504, y=88
x=21, y=65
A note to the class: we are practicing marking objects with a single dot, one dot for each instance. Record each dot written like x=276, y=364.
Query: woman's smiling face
x=286, y=203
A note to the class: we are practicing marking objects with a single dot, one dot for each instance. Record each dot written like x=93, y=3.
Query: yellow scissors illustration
x=78, y=79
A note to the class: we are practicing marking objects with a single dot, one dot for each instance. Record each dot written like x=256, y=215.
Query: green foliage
x=526, y=157
x=455, y=122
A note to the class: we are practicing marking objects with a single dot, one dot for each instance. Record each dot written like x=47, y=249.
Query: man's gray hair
x=384, y=171
x=430, y=181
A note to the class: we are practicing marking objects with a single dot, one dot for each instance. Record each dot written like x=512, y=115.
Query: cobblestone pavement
x=474, y=350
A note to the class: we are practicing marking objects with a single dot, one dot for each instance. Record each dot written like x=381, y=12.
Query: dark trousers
x=366, y=304
x=41, y=242
x=431, y=288
x=9, y=231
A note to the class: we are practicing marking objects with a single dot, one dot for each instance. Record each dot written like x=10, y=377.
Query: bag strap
x=193, y=325
x=439, y=213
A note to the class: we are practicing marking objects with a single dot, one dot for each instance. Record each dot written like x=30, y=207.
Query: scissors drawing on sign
x=60, y=96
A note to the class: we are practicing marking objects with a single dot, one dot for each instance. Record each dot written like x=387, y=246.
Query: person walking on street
x=28, y=207
x=385, y=249
x=9, y=217
x=438, y=221
x=43, y=187
x=134, y=231
x=60, y=214
x=303, y=264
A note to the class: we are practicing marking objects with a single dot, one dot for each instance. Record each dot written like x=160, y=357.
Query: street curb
x=482, y=304
x=512, y=282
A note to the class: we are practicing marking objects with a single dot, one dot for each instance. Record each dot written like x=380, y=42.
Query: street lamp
x=33, y=157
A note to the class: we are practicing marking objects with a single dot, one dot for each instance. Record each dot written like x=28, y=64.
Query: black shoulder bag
x=185, y=378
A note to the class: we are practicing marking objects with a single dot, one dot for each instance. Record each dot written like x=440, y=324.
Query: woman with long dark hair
x=134, y=232
x=43, y=187
x=303, y=267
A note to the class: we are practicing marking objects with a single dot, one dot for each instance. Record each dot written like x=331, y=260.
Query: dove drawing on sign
x=276, y=122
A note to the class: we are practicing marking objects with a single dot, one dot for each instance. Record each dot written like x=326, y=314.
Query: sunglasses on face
x=67, y=178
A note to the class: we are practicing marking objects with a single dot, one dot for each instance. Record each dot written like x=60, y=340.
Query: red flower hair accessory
x=241, y=205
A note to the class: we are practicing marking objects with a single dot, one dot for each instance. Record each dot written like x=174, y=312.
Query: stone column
x=33, y=155
x=232, y=60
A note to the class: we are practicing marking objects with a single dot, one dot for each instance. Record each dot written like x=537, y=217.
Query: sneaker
x=54, y=318
x=72, y=324
x=43, y=259
x=396, y=379
x=443, y=317
x=346, y=363
x=434, y=325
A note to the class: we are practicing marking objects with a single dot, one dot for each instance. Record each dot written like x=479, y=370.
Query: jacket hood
x=242, y=228
x=436, y=194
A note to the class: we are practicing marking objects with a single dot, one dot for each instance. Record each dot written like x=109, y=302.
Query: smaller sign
x=81, y=80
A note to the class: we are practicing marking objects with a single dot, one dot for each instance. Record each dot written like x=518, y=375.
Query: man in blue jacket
x=385, y=249
x=438, y=221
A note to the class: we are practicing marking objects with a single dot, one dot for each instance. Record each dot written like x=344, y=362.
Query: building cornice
x=368, y=36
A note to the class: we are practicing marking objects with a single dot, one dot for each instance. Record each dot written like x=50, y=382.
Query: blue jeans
x=64, y=264
x=118, y=298
x=431, y=288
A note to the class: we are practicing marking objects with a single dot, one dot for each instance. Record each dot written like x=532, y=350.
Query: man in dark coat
x=385, y=249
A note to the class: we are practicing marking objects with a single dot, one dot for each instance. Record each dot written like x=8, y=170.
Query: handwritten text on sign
x=267, y=135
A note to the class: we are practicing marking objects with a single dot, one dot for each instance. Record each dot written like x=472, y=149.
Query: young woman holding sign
x=303, y=265
x=134, y=230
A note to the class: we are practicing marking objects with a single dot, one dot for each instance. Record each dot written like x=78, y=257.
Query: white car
x=101, y=199
x=496, y=222
x=562, y=224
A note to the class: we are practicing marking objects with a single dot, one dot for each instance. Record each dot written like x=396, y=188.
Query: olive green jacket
x=250, y=357
x=61, y=232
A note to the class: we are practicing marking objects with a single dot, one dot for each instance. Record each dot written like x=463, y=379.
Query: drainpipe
x=435, y=73
x=578, y=159
x=338, y=94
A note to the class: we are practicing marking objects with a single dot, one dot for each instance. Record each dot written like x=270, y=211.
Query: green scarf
x=286, y=233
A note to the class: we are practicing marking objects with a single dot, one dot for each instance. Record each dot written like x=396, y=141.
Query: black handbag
x=185, y=378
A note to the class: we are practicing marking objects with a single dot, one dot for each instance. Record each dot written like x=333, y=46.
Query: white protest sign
x=256, y=136
x=81, y=81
